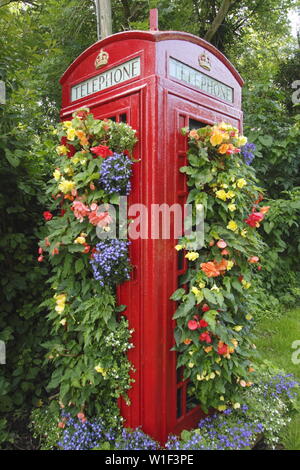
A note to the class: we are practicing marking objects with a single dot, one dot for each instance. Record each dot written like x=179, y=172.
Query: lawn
x=274, y=342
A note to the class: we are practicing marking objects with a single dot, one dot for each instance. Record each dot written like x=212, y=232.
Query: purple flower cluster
x=89, y=435
x=135, y=440
x=80, y=435
x=283, y=385
x=115, y=174
x=247, y=152
x=110, y=262
x=217, y=432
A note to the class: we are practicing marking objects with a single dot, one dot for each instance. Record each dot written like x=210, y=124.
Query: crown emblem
x=101, y=59
x=204, y=61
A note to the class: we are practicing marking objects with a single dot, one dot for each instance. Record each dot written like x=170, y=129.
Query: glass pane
x=179, y=374
x=123, y=117
x=193, y=124
x=179, y=402
x=180, y=260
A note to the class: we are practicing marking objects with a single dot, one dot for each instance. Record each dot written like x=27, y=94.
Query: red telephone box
x=158, y=82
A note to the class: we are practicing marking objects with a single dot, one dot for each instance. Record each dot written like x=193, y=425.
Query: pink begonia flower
x=221, y=244
x=102, y=218
x=80, y=210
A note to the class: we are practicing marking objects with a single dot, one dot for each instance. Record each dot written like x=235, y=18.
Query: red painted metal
x=157, y=106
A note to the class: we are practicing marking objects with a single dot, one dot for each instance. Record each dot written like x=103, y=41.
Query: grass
x=274, y=342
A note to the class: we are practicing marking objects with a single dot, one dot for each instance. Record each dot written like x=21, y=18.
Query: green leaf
x=79, y=266
x=210, y=317
x=209, y=295
x=177, y=295
x=12, y=158
x=266, y=140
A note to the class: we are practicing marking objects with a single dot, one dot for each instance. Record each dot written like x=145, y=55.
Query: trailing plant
x=89, y=339
x=265, y=409
x=213, y=321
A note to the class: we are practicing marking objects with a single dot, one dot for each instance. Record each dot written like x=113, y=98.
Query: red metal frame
x=157, y=106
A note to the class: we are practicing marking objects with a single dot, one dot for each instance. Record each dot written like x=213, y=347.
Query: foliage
x=44, y=426
x=197, y=16
x=23, y=169
x=213, y=322
x=281, y=232
x=88, y=340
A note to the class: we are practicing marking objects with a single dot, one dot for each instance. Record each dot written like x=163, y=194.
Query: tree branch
x=226, y=4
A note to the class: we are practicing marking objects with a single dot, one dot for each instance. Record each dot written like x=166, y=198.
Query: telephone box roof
x=154, y=36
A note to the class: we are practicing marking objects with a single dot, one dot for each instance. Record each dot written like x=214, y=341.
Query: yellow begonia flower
x=216, y=138
x=212, y=376
x=230, y=194
x=100, y=370
x=80, y=240
x=242, y=140
x=249, y=317
x=215, y=287
x=63, y=321
x=229, y=265
x=60, y=308
x=218, y=360
x=236, y=406
x=218, y=372
x=202, y=285
x=200, y=377
x=56, y=174
x=246, y=284
x=232, y=225
x=62, y=150
x=66, y=186
x=195, y=290
x=244, y=233
x=192, y=256
x=238, y=328
x=234, y=342
x=71, y=133
x=225, y=186
x=67, y=124
x=69, y=171
x=60, y=297
x=179, y=247
x=241, y=183
x=191, y=365
x=222, y=407
x=221, y=398
x=232, y=207
x=221, y=194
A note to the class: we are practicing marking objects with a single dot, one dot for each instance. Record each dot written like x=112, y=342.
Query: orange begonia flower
x=264, y=209
x=222, y=266
x=223, y=148
x=210, y=269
